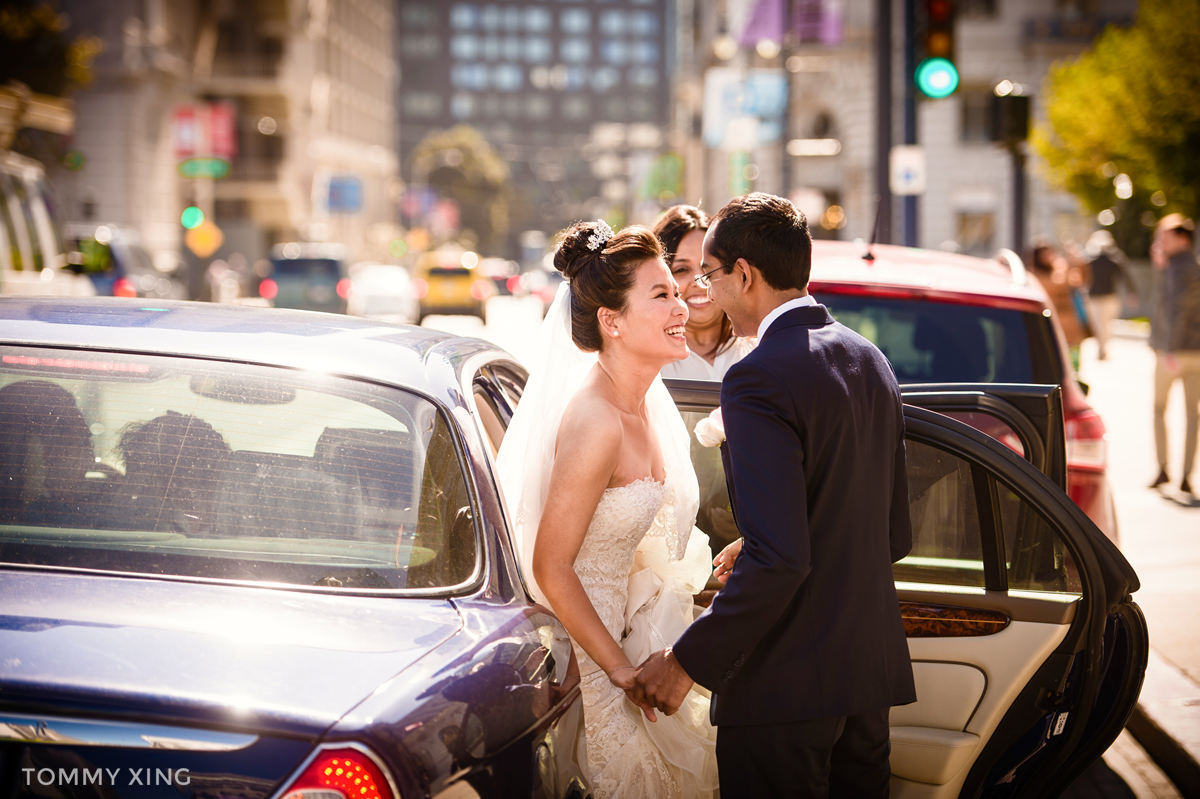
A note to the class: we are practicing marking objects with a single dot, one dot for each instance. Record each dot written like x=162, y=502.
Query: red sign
x=206, y=130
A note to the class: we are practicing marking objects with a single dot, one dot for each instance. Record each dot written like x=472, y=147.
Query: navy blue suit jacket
x=808, y=625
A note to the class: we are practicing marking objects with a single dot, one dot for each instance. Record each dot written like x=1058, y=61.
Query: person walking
x=1107, y=267
x=815, y=461
x=1175, y=338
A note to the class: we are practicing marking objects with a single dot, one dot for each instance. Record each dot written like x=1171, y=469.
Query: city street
x=1158, y=530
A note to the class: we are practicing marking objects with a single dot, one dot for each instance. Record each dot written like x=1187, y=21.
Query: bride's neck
x=629, y=381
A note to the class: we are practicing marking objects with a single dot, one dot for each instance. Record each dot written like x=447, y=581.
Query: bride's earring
x=616, y=332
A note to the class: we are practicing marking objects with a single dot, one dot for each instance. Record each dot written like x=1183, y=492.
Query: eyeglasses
x=703, y=280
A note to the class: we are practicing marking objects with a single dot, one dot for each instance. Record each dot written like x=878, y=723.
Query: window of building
x=646, y=77
x=537, y=106
x=422, y=104
x=472, y=76
x=491, y=48
x=575, y=20
x=605, y=78
x=489, y=18
x=612, y=23
x=508, y=77
x=538, y=49
x=464, y=48
x=575, y=108
x=643, y=23
x=462, y=105
x=417, y=16
x=537, y=20
x=976, y=232
x=643, y=52
x=614, y=51
x=512, y=19
x=577, y=78
x=575, y=50
x=413, y=46
x=464, y=16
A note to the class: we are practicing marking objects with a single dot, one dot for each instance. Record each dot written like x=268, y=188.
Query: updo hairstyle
x=601, y=277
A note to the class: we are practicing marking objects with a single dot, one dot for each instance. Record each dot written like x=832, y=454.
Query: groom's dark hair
x=601, y=271
x=770, y=233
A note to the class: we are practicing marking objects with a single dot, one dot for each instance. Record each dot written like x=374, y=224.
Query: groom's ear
x=745, y=273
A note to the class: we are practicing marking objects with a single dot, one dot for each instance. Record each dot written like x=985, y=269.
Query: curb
x=1166, y=722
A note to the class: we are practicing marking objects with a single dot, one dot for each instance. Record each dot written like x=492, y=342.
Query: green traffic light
x=937, y=77
x=191, y=218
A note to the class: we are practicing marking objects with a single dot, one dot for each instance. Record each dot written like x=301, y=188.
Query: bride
x=596, y=471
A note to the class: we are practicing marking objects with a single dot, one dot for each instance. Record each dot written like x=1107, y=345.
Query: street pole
x=1017, y=152
x=883, y=119
x=911, y=206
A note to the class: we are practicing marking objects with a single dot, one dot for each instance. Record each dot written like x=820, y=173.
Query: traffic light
x=936, y=74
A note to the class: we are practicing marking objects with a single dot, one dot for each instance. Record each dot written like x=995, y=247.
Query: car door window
x=947, y=539
x=1036, y=558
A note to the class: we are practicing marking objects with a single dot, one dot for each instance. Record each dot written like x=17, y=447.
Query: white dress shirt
x=799, y=302
x=694, y=367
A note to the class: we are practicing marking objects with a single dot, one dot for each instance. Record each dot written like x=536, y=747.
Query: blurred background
x=199, y=143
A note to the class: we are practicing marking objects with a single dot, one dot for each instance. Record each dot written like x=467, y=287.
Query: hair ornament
x=600, y=236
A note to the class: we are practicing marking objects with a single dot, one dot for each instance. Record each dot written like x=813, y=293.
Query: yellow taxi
x=446, y=281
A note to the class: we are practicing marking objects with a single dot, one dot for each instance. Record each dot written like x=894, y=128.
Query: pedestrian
x=1175, y=337
x=816, y=466
x=1060, y=280
x=1107, y=267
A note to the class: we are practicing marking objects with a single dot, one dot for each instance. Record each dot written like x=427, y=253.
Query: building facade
x=274, y=117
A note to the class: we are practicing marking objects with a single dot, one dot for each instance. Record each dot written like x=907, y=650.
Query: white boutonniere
x=710, y=431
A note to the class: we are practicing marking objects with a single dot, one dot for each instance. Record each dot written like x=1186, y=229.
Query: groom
x=803, y=648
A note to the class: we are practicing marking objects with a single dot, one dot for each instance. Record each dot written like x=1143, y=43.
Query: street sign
x=200, y=167
x=907, y=169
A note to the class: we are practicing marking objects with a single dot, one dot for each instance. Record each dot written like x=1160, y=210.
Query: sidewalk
x=1160, y=535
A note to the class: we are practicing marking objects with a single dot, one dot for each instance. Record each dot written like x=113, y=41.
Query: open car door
x=1027, y=648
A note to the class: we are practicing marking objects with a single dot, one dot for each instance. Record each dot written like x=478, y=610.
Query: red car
x=942, y=318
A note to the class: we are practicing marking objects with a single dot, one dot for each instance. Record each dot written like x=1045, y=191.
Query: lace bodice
x=623, y=516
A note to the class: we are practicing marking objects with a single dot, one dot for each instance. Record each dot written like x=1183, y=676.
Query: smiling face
x=654, y=319
x=703, y=312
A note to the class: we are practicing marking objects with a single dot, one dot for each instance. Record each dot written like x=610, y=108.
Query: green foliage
x=1130, y=105
x=459, y=164
x=35, y=49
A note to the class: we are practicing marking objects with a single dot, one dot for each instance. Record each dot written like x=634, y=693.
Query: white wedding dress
x=645, y=600
x=640, y=563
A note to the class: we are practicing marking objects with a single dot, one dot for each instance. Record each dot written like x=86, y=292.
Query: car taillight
x=513, y=284
x=340, y=773
x=343, y=288
x=420, y=288
x=123, y=287
x=480, y=290
x=267, y=289
x=1087, y=443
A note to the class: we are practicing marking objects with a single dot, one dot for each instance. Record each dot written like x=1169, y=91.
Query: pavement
x=1160, y=535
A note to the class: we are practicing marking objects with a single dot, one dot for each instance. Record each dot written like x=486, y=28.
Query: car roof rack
x=1015, y=265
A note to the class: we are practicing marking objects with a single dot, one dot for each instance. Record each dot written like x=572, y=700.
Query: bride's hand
x=625, y=678
x=723, y=562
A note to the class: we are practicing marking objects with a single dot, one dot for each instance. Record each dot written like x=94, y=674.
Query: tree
x=459, y=164
x=36, y=51
x=1129, y=106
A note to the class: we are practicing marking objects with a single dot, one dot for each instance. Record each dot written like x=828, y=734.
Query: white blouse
x=694, y=367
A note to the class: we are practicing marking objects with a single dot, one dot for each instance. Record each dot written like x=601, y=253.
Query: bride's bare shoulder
x=592, y=418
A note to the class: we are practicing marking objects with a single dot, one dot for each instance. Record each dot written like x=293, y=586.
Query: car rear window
x=176, y=467
x=306, y=267
x=941, y=342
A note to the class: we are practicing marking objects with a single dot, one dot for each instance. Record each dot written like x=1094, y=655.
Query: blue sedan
x=255, y=552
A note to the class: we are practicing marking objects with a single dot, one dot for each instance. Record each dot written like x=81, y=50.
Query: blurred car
x=259, y=553
x=264, y=546
x=306, y=275
x=542, y=282
x=504, y=274
x=383, y=292
x=118, y=264
x=447, y=281
x=946, y=318
x=33, y=259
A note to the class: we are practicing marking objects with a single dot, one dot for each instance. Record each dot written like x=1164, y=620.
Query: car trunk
x=157, y=682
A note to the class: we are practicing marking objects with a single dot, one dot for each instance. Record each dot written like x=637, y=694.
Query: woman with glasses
x=712, y=346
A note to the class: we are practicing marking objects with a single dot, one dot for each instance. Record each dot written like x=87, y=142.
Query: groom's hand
x=664, y=681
